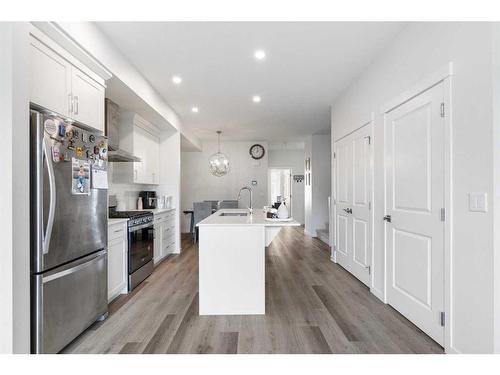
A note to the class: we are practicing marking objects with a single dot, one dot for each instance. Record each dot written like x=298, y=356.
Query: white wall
x=170, y=177
x=14, y=190
x=321, y=172
x=496, y=173
x=197, y=184
x=308, y=222
x=293, y=159
x=317, y=147
x=416, y=53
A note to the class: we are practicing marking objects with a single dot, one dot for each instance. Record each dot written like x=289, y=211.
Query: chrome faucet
x=250, y=209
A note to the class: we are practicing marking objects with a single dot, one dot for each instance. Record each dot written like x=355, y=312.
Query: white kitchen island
x=232, y=261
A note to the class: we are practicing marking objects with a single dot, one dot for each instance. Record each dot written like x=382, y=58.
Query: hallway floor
x=312, y=306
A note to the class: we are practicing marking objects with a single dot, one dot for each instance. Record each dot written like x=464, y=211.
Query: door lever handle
x=387, y=218
x=348, y=210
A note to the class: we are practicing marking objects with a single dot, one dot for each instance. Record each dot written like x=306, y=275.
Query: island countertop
x=257, y=218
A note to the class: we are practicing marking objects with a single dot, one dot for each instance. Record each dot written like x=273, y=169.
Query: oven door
x=140, y=246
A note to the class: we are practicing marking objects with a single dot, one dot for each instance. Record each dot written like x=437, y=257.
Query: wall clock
x=257, y=151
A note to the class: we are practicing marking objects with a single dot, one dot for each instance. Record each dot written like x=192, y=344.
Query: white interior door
x=353, y=222
x=343, y=204
x=361, y=204
x=414, y=199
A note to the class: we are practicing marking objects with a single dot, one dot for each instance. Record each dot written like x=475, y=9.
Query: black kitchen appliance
x=148, y=199
x=140, y=244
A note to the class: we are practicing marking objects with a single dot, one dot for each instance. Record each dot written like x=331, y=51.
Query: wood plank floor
x=312, y=306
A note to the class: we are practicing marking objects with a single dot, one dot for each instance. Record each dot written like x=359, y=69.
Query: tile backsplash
x=128, y=193
x=125, y=193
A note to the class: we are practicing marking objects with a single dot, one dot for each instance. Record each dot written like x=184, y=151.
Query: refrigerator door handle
x=83, y=263
x=52, y=201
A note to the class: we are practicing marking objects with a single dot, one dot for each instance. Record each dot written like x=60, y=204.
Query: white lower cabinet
x=164, y=244
x=117, y=259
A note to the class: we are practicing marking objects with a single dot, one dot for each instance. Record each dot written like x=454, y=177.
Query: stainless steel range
x=140, y=244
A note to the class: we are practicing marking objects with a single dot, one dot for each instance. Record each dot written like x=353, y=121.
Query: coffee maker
x=149, y=199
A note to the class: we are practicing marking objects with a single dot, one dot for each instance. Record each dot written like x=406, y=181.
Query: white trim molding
x=52, y=35
x=444, y=75
x=423, y=85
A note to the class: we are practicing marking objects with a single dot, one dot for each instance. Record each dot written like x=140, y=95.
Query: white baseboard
x=378, y=293
x=307, y=233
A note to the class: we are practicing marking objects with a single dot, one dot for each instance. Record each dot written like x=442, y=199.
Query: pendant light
x=218, y=162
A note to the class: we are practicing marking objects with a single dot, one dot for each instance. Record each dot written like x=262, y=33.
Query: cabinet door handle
x=76, y=104
x=70, y=103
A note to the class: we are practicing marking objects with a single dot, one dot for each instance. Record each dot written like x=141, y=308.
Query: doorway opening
x=280, y=187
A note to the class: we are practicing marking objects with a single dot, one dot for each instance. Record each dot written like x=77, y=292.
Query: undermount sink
x=234, y=214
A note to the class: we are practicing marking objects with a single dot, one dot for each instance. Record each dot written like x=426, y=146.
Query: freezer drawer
x=67, y=300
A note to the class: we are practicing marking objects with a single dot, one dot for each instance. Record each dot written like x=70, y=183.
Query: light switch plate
x=478, y=202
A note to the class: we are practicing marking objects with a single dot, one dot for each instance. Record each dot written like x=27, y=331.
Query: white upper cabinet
x=147, y=147
x=60, y=86
x=152, y=156
x=88, y=100
x=141, y=150
x=141, y=139
x=50, y=79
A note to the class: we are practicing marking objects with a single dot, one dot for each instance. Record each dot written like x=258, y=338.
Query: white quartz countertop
x=156, y=211
x=257, y=218
x=116, y=221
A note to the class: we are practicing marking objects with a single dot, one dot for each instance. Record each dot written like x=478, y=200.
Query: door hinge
x=442, y=109
x=442, y=318
x=443, y=214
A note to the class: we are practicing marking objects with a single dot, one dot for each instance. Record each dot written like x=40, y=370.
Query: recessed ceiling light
x=260, y=54
x=195, y=110
x=176, y=80
x=256, y=99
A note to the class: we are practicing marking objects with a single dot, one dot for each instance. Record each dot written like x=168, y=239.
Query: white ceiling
x=307, y=66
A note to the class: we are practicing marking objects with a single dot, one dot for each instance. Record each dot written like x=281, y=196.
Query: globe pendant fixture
x=218, y=162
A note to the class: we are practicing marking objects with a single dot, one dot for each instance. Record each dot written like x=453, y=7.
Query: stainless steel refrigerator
x=68, y=230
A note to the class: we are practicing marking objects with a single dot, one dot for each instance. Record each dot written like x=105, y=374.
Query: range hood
x=115, y=153
x=121, y=156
